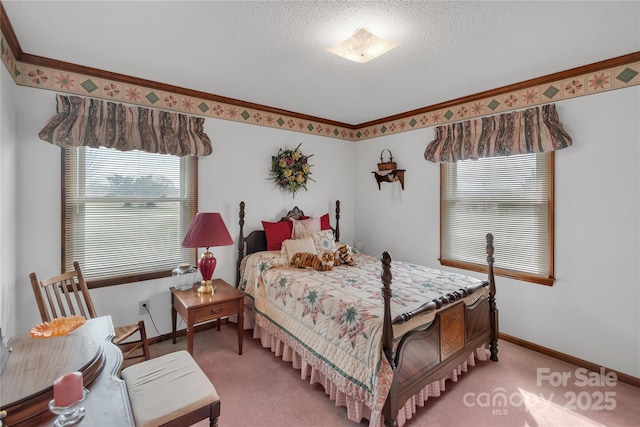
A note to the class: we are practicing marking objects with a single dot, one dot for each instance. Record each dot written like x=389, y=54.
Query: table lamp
x=206, y=230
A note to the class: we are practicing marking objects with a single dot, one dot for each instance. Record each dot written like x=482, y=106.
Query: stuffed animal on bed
x=343, y=256
x=323, y=262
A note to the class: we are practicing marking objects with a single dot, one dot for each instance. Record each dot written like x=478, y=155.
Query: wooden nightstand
x=197, y=308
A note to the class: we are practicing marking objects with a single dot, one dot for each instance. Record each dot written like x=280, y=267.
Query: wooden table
x=197, y=308
x=35, y=363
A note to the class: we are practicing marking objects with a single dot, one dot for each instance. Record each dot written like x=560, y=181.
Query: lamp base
x=207, y=266
x=206, y=287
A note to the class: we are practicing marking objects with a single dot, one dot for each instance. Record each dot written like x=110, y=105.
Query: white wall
x=8, y=204
x=591, y=312
x=237, y=170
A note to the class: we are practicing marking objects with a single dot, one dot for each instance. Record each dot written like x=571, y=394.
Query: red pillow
x=277, y=232
x=324, y=222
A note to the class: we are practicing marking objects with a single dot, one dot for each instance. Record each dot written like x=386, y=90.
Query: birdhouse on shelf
x=388, y=170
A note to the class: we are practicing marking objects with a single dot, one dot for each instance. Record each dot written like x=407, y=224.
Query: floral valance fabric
x=96, y=123
x=534, y=130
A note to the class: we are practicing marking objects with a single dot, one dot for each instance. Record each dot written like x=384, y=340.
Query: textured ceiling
x=273, y=53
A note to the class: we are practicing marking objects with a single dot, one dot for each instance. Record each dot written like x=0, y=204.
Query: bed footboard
x=422, y=357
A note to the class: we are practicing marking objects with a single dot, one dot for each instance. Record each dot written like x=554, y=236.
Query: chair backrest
x=63, y=295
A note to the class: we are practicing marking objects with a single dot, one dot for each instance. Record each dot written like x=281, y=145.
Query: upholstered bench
x=171, y=390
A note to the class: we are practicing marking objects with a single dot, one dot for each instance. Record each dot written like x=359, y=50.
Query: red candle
x=67, y=389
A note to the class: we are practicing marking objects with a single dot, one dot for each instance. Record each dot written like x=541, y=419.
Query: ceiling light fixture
x=362, y=46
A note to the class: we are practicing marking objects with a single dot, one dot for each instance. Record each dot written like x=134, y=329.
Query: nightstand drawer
x=214, y=311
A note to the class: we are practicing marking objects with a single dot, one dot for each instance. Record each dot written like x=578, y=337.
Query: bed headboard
x=257, y=240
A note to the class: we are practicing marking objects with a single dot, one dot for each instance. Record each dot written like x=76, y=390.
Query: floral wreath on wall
x=290, y=170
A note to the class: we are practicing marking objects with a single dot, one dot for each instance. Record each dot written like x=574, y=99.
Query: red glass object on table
x=207, y=229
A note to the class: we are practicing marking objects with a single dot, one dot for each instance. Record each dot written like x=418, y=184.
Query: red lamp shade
x=206, y=230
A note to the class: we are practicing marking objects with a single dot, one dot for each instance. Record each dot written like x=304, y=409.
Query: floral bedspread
x=336, y=315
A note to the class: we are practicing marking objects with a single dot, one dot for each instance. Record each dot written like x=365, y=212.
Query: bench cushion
x=167, y=387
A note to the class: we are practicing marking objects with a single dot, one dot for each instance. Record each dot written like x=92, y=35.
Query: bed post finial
x=387, y=327
x=240, y=242
x=493, y=344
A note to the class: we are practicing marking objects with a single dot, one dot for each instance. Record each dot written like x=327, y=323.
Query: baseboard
x=625, y=378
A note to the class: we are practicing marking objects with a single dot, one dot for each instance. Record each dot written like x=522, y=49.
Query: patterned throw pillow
x=323, y=240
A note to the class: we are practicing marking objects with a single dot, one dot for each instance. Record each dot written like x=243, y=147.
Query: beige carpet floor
x=524, y=388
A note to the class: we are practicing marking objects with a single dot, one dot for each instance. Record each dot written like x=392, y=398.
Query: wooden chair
x=68, y=295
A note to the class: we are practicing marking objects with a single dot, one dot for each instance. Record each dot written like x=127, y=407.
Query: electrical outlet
x=142, y=305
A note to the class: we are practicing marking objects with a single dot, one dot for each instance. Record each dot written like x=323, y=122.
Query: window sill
x=517, y=275
x=121, y=280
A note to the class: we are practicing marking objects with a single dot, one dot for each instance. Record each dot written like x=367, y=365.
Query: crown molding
x=548, y=79
x=64, y=77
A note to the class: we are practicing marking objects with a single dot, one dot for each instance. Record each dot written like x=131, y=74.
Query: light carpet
x=524, y=388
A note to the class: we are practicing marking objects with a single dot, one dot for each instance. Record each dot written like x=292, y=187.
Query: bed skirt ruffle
x=310, y=368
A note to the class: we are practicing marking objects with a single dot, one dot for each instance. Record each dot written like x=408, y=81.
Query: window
x=510, y=197
x=125, y=213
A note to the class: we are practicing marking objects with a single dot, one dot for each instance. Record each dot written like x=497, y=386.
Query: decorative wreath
x=290, y=170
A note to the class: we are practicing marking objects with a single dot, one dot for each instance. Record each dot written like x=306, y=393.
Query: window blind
x=511, y=197
x=125, y=213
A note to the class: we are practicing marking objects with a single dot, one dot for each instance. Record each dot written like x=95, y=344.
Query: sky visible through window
x=508, y=174
x=112, y=173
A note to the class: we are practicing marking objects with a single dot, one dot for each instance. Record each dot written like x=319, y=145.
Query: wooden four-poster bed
x=380, y=354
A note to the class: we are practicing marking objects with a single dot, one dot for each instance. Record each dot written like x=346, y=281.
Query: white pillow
x=323, y=240
x=290, y=247
x=302, y=225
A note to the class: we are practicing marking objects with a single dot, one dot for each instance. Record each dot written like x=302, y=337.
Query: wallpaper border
x=568, y=86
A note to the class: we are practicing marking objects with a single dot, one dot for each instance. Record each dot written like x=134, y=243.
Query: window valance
x=95, y=123
x=534, y=130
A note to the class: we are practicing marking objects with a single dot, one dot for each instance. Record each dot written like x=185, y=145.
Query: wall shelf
x=391, y=175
